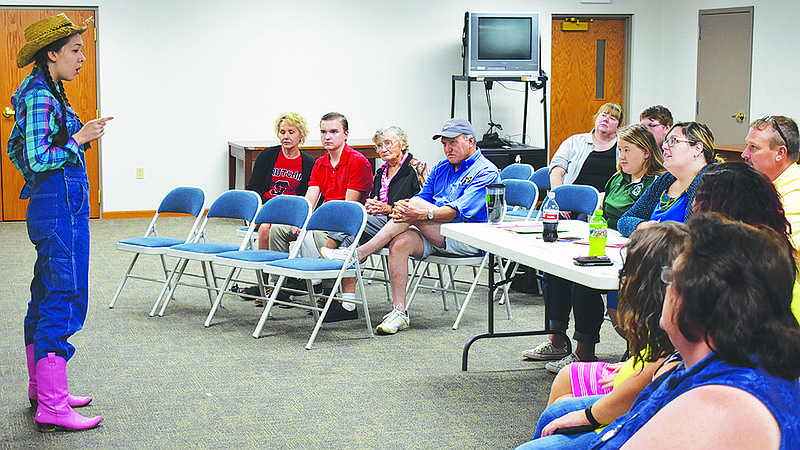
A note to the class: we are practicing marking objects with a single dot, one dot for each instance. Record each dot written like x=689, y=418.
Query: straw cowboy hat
x=45, y=32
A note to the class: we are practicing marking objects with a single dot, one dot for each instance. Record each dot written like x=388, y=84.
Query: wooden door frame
x=626, y=70
x=97, y=145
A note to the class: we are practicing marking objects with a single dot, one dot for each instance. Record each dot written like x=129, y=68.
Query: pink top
x=383, y=194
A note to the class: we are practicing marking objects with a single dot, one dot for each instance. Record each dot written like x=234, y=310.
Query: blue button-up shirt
x=461, y=187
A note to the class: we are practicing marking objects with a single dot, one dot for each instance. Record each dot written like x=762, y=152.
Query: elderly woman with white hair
x=400, y=177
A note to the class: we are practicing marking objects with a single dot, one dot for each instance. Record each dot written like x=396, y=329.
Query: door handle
x=8, y=112
x=739, y=117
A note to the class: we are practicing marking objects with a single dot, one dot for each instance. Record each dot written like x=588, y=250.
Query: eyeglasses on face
x=669, y=143
x=388, y=143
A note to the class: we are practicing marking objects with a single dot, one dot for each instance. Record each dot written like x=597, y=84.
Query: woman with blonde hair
x=589, y=158
x=280, y=170
x=688, y=151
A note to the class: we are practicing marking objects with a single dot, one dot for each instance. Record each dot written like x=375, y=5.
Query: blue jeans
x=561, y=441
x=58, y=225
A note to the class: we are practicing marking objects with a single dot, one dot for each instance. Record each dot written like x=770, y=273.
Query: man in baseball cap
x=453, y=192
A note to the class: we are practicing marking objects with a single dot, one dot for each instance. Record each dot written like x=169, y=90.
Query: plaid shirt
x=38, y=116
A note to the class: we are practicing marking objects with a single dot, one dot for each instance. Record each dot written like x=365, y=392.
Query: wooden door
x=724, y=55
x=587, y=71
x=81, y=92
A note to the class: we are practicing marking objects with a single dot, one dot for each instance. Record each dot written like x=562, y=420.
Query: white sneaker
x=556, y=366
x=545, y=351
x=389, y=314
x=337, y=254
x=395, y=322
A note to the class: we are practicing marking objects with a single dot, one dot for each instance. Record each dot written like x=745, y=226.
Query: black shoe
x=252, y=290
x=282, y=296
x=295, y=283
x=337, y=313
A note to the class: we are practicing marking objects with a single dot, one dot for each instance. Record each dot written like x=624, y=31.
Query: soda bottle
x=598, y=231
x=550, y=218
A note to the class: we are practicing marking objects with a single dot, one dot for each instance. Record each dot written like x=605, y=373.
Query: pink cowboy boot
x=72, y=400
x=53, y=411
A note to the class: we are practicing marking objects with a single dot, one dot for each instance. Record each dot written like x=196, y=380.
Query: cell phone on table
x=593, y=261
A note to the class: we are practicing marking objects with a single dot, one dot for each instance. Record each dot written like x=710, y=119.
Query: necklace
x=665, y=202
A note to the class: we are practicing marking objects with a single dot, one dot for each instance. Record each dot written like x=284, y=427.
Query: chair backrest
x=523, y=193
x=285, y=210
x=184, y=200
x=181, y=200
x=542, y=178
x=517, y=171
x=339, y=215
x=577, y=198
x=236, y=204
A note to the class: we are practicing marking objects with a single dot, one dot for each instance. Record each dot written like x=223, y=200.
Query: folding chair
x=517, y=171
x=519, y=193
x=521, y=197
x=234, y=204
x=284, y=210
x=542, y=179
x=181, y=200
x=335, y=215
x=578, y=198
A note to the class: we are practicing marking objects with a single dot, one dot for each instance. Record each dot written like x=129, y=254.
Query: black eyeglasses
x=777, y=127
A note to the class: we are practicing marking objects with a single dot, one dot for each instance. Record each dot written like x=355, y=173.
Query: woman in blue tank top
x=727, y=311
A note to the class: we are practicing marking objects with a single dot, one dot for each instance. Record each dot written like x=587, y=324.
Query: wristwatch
x=430, y=214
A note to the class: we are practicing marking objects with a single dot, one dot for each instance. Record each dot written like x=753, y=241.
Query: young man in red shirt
x=341, y=174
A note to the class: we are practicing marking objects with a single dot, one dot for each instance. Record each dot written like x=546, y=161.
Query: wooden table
x=730, y=153
x=530, y=250
x=247, y=151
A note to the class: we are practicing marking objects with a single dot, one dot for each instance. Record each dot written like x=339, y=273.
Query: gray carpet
x=169, y=382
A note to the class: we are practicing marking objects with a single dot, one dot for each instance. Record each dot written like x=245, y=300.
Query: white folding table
x=521, y=243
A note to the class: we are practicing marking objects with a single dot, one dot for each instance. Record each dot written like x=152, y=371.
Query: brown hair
x=733, y=287
x=658, y=113
x=641, y=292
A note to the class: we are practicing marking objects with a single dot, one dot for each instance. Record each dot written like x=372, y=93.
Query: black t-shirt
x=598, y=168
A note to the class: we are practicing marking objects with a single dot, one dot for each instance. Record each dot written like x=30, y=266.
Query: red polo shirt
x=353, y=172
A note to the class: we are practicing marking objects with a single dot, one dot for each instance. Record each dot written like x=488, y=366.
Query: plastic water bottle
x=550, y=214
x=598, y=232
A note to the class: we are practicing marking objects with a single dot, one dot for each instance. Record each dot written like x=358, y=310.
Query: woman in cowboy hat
x=47, y=145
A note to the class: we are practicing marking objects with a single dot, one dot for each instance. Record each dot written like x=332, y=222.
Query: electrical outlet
x=140, y=173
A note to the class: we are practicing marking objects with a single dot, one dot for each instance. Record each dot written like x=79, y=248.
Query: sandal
x=252, y=290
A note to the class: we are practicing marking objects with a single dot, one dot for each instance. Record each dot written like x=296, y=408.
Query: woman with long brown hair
x=47, y=145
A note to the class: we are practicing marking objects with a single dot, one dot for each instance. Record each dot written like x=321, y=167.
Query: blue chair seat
x=205, y=247
x=254, y=255
x=309, y=264
x=153, y=242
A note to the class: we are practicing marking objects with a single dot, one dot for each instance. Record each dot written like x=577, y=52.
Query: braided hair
x=40, y=60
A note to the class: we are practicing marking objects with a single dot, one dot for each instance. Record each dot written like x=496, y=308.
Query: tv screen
x=501, y=44
x=504, y=38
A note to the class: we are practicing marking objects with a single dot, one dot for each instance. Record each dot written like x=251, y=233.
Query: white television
x=501, y=44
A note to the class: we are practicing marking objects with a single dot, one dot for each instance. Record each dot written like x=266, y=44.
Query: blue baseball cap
x=455, y=127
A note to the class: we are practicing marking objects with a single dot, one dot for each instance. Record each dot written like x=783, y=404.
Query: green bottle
x=598, y=231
